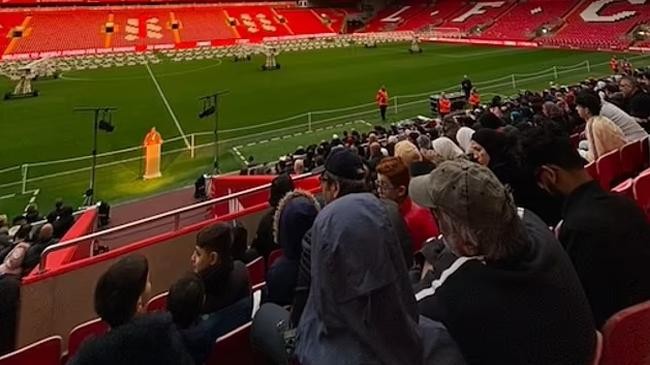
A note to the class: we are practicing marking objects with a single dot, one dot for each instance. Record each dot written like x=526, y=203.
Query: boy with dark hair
x=605, y=235
x=185, y=301
x=225, y=280
x=121, y=294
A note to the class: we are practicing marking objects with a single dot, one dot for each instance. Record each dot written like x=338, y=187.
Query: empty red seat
x=234, y=348
x=632, y=158
x=609, y=168
x=626, y=337
x=592, y=170
x=256, y=272
x=641, y=189
x=84, y=331
x=625, y=188
x=158, y=303
x=645, y=152
x=44, y=352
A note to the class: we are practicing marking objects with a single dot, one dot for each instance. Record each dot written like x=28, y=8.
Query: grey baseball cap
x=466, y=191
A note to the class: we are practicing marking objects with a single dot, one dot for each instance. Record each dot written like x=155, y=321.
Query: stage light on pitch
x=207, y=112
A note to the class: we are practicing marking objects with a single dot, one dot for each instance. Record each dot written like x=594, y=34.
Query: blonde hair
x=408, y=152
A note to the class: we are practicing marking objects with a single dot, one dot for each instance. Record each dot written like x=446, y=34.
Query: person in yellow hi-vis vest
x=152, y=143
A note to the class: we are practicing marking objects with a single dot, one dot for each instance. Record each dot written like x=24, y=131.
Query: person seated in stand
x=602, y=134
x=636, y=102
x=135, y=338
x=392, y=184
x=606, y=235
x=12, y=261
x=31, y=214
x=263, y=244
x=225, y=280
x=56, y=212
x=65, y=221
x=185, y=302
x=33, y=256
x=512, y=297
x=361, y=307
x=293, y=219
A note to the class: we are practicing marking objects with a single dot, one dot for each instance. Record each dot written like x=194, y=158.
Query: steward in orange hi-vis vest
x=613, y=64
x=444, y=105
x=474, y=99
x=382, y=102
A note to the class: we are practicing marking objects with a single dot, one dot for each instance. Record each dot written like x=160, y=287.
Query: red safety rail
x=227, y=185
x=84, y=225
x=610, y=34
x=526, y=18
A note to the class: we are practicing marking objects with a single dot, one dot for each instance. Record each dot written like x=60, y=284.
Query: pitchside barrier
x=26, y=178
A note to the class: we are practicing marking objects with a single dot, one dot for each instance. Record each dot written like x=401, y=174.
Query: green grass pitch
x=46, y=128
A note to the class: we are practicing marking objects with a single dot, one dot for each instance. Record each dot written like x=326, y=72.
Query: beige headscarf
x=464, y=138
x=446, y=148
x=603, y=136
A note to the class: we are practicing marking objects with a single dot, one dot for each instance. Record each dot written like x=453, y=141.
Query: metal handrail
x=172, y=213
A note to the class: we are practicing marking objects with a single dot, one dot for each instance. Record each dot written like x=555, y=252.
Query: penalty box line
x=169, y=108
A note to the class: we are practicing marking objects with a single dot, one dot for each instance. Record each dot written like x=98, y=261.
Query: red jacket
x=420, y=223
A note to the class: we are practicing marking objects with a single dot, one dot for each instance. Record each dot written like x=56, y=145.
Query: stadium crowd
x=430, y=244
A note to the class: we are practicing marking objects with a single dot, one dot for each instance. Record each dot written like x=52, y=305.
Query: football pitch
x=46, y=145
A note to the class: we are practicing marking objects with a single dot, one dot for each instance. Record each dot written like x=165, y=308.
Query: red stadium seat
x=80, y=333
x=624, y=188
x=592, y=170
x=609, y=168
x=645, y=152
x=632, y=158
x=274, y=255
x=257, y=272
x=627, y=337
x=234, y=348
x=158, y=303
x=641, y=189
x=44, y=352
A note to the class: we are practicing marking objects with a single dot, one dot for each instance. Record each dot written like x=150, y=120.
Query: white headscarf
x=446, y=148
x=464, y=137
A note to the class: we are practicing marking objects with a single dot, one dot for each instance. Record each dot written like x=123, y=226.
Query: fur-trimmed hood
x=294, y=216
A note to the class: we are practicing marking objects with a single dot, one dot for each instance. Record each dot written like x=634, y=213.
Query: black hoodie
x=145, y=340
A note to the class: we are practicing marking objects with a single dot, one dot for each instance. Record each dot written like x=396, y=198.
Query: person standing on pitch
x=466, y=86
x=382, y=102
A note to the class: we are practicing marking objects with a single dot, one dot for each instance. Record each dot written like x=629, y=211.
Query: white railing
x=174, y=214
x=303, y=122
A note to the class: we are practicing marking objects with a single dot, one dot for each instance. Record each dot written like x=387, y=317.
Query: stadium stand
x=526, y=18
x=600, y=24
x=204, y=24
x=474, y=17
x=303, y=21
